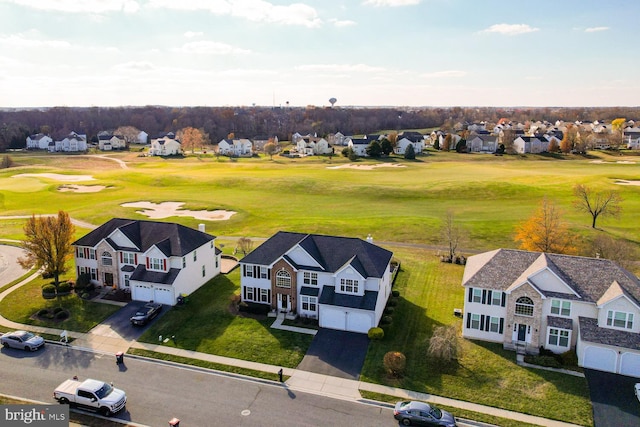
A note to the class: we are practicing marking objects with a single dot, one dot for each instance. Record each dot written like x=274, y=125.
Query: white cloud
x=391, y=3
x=335, y=68
x=342, y=23
x=32, y=39
x=595, y=29
x=510, y=29
x=447, y=73
x=81, y=6
x=192, y=34
x=205, y=47
x=135, y=66
x=252, y=10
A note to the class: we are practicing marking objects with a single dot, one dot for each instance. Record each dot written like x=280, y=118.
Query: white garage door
x=142, y=293
x=602, y=359
x=332, y=318
x=163, y=296
x=630, y=364
x=358, y=322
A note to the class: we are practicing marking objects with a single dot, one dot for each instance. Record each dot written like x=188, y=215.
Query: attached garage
x=164, y=295
x=142, y=293
x=344, y=319
x=630, y=364
x=602, y=359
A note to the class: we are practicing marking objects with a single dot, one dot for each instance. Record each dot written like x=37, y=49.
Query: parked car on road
x=422, y=414
x=146, y=313
x=23, y=340
x=91, y=394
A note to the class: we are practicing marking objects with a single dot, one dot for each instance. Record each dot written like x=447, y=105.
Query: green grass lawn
x=485, y=373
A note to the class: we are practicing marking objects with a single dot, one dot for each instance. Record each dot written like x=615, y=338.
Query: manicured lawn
x=485, y=373
x=206, y=324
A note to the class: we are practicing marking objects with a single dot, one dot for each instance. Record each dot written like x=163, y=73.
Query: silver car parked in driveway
x=23, y=340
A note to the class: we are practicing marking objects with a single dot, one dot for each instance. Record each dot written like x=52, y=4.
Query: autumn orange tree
x=48, y=244
x=545, y=231
x=192, y=138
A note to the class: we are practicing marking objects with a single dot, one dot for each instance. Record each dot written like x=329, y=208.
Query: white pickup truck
x=91, y=394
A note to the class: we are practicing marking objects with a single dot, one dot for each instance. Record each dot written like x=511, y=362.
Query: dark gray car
x=146, y=313
x=422, y=414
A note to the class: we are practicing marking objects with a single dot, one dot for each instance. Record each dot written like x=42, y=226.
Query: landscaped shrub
x=395, y=363
x=64, y=287
x=48, y=291
x=392, y=303
x=388, y=310
x=547, y=361
x=62, y=315
x=386, y=320
x=43, y=312
x=395, y=293
x=58, y=310
x=375, y=333
x=569, y=358
x=85, y=295
x=83, y=281
x=255, y=308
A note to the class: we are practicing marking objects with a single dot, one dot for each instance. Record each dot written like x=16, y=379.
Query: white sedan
x=23, y=340
x=637, y=390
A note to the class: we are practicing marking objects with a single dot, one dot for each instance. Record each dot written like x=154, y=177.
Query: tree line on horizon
x=280, y=122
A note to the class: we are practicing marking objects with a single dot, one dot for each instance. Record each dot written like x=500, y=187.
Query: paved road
x=10, y=270
x=157, y=392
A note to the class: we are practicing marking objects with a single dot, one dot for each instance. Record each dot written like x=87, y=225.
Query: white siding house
x=38, y=141
x=155, y=261
x=165, y=145
x=235, y=147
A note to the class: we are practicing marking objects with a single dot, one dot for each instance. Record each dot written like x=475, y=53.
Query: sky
x=304, y=52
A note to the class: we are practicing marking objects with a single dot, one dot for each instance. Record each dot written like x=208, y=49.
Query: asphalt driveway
x=614, y=404
x=336, y=353
x=119, y=323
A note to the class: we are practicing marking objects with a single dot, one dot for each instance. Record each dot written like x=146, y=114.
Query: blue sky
x=303, y=52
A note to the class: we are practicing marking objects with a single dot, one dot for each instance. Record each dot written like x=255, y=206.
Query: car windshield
x=435, y=412
x=105, y=390
x=27, y=336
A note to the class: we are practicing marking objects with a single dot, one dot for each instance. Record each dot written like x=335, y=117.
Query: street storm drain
x=245, y=413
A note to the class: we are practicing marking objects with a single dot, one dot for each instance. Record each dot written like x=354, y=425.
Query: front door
x=522, y=333
x=283, y=302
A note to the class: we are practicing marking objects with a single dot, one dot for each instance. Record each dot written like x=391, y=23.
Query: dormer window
x=349, y=286
x=524, y=306
x=620, y=319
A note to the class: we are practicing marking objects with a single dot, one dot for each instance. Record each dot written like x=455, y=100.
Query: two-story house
x=165, y=144
x=527, y=300
x=343, y=282
x=155, y=261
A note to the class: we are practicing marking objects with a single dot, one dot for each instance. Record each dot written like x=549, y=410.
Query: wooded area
x=249, y=122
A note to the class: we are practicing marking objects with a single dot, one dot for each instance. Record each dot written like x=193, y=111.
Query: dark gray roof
x=588, y=277
x=559, y=322
x=141, y=274
x=172, y=239
x=330, y=252
x=589, y=331
x=306, y=290
x=365, y=302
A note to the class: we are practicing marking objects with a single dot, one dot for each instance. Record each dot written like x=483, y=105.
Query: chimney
x=201, y=227
x=369, y=238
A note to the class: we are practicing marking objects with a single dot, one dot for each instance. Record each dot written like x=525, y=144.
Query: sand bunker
x=620, y=162
x=82, y=188
x=169, y=209
x=367, y=166
x=57, y=176
x=626, y=182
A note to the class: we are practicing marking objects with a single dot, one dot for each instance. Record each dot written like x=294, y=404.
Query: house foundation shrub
x=395, y=363
x=375, y=333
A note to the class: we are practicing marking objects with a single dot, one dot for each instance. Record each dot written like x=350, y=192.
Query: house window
x=126, y=280
x=477, y=295
x=92, y=253
x=107, y=259
x=248, y=271
x=283, y=279
x=195, y=256
x=248, y=293
x=204, y=271
x=217, y=262
x=558, y=337
x=524, y=306
x=264, y=295
x=349, y=286
x=156, y=264
x=128, y=258
x=620, y=319
x=494, y=324
x=184, y=262
x=310, y=278
x=475, y=321
x=561, y=308
x=264, y=272
x=309, y=303
x=496, y=298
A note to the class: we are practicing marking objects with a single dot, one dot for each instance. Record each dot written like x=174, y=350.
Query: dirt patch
x=57, y=176
x=169, y=209
x=367, y=166
x=82, y=188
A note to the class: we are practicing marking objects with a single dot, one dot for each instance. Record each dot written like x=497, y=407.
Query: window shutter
x=269, y=273
x=470, y=297
x=244, y=270
x=147, y=262
x=164, y=264
x=482, y=322
x=135, y=259
x=489, y=294
x=501, y=330
x=484, y=296
x=255, y=271
x=269, y=296
x=504, y=299
x=120, y=256
x=468, y=320
x=487, y=323
x=244, y=292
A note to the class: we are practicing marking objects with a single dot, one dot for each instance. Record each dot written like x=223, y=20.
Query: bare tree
x=270, y=148
x=606, y=203
x=444, y=343
x=451, y=233
x=48, y=244
x=245, y=245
